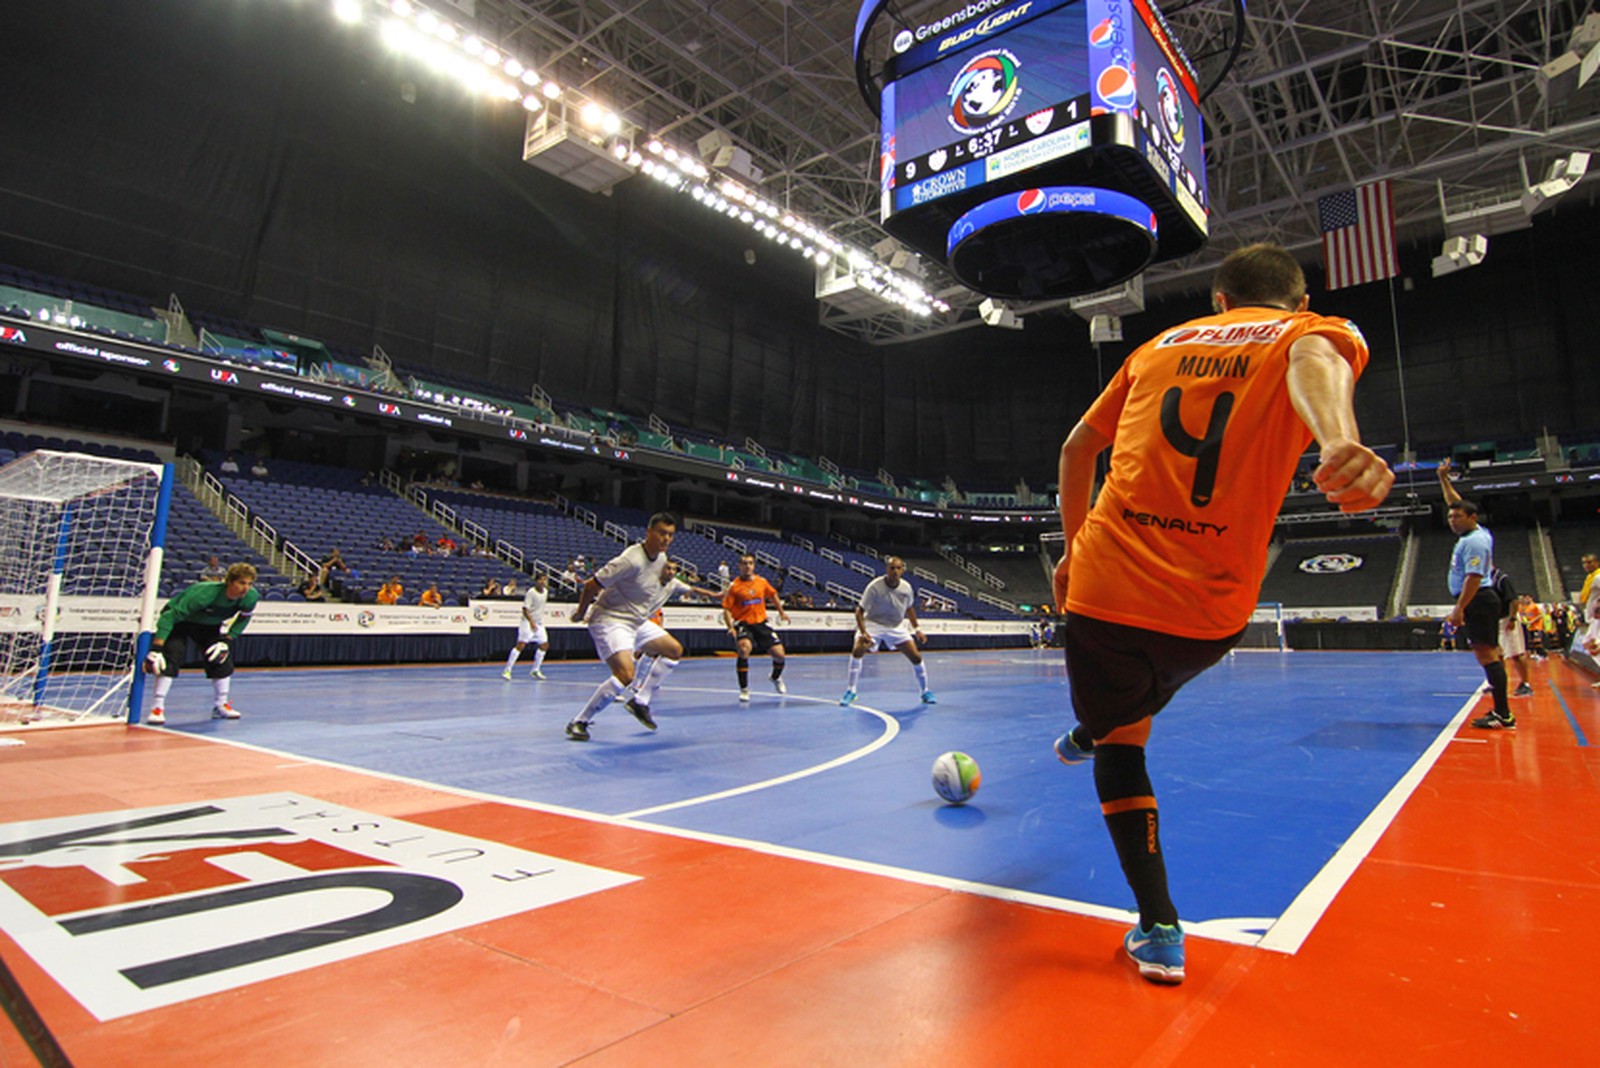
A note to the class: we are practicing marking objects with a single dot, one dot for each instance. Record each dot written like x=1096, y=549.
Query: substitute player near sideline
x=1206, y=423
x=624, y=593
x=196, y=617
x=744, y=613
x=530, y=628
x=886, y=618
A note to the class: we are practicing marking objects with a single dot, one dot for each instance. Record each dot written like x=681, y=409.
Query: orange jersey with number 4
x=1204, y=444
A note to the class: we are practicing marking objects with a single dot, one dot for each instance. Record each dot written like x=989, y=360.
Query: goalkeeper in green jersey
x=207, y=616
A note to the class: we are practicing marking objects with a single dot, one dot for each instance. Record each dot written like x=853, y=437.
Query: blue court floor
x=1263, y=767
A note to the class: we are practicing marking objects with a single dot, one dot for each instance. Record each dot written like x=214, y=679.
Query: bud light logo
x=1030, y=202
x=983, y=93
x=1100, y=36
x=1116, y=88
x=1170, y=104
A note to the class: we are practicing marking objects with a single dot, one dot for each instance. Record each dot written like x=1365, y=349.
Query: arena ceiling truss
x=1442, y=97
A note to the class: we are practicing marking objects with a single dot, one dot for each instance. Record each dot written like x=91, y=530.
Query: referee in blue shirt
x=1477, y=609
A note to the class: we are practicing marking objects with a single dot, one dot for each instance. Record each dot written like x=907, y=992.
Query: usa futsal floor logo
x=137, y=909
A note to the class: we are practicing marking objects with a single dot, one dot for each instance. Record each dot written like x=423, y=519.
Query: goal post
x=81, y=541
x=1264, y=633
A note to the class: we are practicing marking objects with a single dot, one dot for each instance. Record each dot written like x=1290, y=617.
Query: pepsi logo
x=936, y=160
x=1039, y=121
x=1116, y=87
x=1101, y=35
x=1030, y=201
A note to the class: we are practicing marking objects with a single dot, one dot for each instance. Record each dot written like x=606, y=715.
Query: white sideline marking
x=1295, y=925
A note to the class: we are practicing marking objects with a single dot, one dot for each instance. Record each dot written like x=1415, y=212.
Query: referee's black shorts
x=1482, y=617
x=1121, y=674
x=760, y=636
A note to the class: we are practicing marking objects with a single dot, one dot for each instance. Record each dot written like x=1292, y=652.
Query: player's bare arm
x=1451, y=496
x=1321, y=388
x=774, y=602
x=916, y=627
x=591, y=590
x=1076, y=478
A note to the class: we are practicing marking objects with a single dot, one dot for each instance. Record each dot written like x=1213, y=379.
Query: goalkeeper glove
x=217, y=653
x=156, y=662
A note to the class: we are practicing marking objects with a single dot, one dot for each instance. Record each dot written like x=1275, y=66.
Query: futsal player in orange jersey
x=744, y=613
x=1206, y=423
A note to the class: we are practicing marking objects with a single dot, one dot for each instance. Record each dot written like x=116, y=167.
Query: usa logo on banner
x=1358, y=235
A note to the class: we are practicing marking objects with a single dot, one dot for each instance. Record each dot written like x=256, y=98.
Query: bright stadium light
x=347, y=11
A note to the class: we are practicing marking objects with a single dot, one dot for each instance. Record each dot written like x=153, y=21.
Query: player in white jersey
x=654, y=628
x=886, y=618
x=625, y=592
x=530, y=628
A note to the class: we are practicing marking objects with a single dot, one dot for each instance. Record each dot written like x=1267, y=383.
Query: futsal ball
x=956, y=777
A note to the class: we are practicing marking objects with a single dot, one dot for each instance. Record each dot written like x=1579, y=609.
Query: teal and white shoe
x=1069, y=752
x=1158, y=952
x=849, y=698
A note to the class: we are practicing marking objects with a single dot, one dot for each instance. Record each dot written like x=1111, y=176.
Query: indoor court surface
x=1364, y=878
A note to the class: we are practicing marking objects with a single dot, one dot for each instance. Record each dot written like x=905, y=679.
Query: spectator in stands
x=491, y=587
x=446, y=545
x=1140, y=625
x=1477, y=610
x=386, y=544
x=311, y=589
x=430, y=597
x=335, y=573
x=722, y=576
x=391, y=592
x=419, y=542
x=510, y=589
x=229, y=465
x=213, y=571
x=259, y=468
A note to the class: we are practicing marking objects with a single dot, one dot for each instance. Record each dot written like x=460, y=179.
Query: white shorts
x=1512, y=642
x=612, y=636
x=889, y=637
x=528, y=633
x=1590, y=636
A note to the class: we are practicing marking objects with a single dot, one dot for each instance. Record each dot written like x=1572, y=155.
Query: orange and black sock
x=1128, y=804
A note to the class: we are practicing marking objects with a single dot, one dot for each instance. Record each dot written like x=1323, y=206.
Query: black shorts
x=189, y=641
x=1121, y=674
x=760, y=636
x=1482, y=618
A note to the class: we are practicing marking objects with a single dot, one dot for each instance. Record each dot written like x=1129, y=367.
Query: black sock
x=1129, y=806
x=777, y=669
x=744, y=673
x=1495, y=672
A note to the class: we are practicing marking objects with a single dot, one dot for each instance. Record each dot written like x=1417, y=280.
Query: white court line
x=1298, y=920
x=891, y=730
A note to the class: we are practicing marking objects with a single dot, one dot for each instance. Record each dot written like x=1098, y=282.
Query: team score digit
x=1206, y=451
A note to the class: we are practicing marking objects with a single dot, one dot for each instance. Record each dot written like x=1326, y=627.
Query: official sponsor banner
x=135, y=909
x=111, y=615
x=1365, y=613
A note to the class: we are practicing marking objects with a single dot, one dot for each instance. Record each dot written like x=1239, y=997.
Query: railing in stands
x=390, y=480
x=265, y=529
x=925, y=574
x=476, y=531
x=754, y=448
x=862, y=546
x=511, y=554
x=828, y=465
x=658, y=425
x=960, y=587
x=832, y=555
x=237, y=508
x=936, y=601
x=617, y=531
x=844, y=593
x=800, y=574
x=767, y=558
x=861, y=569
x=445, y=514
x=735, y=544
x=299, y=558
x=583, y=515
x=805, y=543
x=996, y=602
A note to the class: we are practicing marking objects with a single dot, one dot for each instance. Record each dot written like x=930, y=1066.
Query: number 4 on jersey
x=1205, y=451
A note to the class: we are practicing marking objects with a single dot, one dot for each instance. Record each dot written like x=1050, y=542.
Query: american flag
x=1358, y=235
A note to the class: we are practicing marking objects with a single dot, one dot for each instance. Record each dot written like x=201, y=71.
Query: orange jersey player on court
x=744, y=613
x=1206, y=423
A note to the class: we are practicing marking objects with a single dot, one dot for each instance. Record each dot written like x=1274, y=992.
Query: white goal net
x=77, y=584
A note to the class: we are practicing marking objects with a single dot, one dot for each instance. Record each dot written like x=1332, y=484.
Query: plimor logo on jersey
x=136, y=909
x=1330, y=563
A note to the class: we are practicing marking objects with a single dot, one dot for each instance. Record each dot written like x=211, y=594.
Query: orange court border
x=1462, y=939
